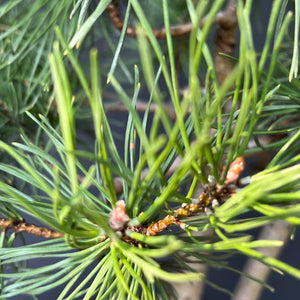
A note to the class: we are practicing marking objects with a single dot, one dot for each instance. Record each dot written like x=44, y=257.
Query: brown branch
x=183, y=212
x=225, y=41
x=141, y=107
x=176, y=31
x=22, y=226
x=212, y=196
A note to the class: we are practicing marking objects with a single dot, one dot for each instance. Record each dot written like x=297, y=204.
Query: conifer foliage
x=127, y=131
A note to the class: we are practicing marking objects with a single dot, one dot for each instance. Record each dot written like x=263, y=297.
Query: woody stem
x=22, y=226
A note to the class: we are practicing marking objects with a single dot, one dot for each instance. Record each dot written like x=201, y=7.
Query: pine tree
x=128, y=130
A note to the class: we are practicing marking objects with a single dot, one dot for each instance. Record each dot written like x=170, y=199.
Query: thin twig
x=22, y=226
x=225, y=41
x=141, y=107
x=176, y=30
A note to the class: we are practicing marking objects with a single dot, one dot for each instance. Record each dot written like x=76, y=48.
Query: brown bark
x=22, y=226
x=176, y=31
x=225, y=41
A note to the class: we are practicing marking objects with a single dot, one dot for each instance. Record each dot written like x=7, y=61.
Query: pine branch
x=127, y=250
x=22, y=226
x=141, y=106
x=225, y=41
x=212, y=196
x=176, y=31
x=221, y=18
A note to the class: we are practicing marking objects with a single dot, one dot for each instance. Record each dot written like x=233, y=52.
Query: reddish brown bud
x=118, y=216
x=235, y=170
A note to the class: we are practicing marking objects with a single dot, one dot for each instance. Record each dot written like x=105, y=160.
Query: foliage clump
x=125, y=211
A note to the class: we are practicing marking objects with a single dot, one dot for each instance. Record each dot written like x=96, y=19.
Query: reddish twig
x=222, y=18
x=176, y=31
x=22, y=226
x=186, y=210
x=225, y=41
